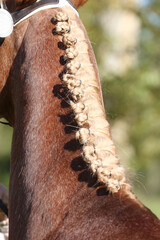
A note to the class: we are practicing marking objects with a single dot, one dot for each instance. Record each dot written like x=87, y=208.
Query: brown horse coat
x=53, y=195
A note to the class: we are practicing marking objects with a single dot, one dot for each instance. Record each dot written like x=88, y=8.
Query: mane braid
x=98, y=149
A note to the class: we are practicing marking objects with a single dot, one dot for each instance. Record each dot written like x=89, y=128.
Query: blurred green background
x=125, y=37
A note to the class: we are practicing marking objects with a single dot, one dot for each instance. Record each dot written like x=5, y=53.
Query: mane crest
x=98, y=149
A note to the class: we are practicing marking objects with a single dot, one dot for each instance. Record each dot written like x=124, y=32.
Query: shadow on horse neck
x=53, y=193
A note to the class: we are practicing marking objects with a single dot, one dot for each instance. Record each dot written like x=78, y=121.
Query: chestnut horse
x=50, y=94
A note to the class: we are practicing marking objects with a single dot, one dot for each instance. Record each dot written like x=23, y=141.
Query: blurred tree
x=131, y=96
x=5, y=142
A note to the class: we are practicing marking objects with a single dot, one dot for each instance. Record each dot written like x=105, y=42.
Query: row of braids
x=93, y=133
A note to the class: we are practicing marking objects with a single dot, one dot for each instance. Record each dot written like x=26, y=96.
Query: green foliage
x=134, y=97
x=5, y=142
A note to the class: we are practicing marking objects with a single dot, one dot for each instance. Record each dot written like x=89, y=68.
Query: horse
x=66, y=180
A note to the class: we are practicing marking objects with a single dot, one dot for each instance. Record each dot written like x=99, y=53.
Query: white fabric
x=6, y=23
x=62, y=3
x=4, y=229
x=3, y=236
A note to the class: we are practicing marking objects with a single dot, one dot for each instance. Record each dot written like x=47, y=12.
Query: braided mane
x=80, y=79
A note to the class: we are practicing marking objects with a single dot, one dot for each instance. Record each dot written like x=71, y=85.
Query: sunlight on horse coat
x=53, y=191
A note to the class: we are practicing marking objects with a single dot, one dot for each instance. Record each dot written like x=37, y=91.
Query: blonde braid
x=94, y=131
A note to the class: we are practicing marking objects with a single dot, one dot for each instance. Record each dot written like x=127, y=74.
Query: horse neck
x=47, y=173
x=46, y=168
x=44, y=148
